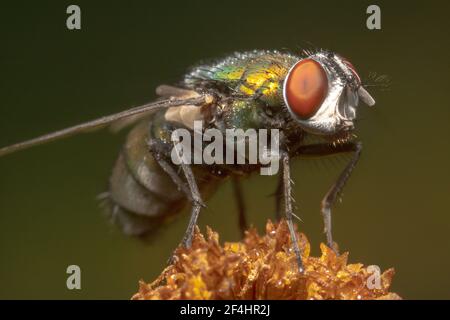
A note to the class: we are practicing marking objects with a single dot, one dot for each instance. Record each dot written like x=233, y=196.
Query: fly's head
x=322, y=93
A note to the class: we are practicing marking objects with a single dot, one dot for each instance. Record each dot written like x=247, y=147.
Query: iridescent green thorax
x=258, y=74
x=243, y=114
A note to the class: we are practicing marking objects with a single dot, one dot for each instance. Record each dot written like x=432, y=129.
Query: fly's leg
x=197, y=204
x=173, y=174
x=240, y=205
x=287, y=188
x=336, y=188
x=190, y=190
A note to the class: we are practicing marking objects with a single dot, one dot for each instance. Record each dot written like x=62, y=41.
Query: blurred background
x=395, y=207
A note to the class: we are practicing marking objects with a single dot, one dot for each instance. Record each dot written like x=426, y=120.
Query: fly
x=310, y=94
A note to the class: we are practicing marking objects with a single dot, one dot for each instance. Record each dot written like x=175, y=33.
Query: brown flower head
x=263, y=267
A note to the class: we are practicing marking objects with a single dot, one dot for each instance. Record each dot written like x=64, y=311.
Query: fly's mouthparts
x=366, y=97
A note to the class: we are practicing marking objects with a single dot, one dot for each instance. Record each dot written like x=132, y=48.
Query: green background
x=395, y=209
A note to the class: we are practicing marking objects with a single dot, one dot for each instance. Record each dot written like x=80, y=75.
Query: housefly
x=313, y=93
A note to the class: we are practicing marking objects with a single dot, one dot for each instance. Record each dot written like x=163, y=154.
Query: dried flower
x=262, y=267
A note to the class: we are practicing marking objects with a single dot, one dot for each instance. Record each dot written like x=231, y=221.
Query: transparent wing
x=165, y=92
x=200, y=100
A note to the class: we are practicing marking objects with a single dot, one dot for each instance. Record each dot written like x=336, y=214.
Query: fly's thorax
x=257, y=74
x=264, y=81
x=241, y=114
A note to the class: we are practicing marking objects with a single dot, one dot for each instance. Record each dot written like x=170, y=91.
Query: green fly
x=313, y=93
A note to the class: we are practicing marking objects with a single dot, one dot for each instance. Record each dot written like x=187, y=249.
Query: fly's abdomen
x=142, y=196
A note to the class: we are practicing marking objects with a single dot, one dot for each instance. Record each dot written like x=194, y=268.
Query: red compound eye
x=306, y=87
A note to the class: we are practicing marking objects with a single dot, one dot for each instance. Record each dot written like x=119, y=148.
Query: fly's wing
x=199, y=100
x=165, y=92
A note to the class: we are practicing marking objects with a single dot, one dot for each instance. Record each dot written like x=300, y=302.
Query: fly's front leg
x=287, y=188
x=336, y=188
